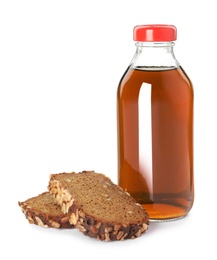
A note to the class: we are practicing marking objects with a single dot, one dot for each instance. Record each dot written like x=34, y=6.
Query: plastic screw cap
x=155, y=33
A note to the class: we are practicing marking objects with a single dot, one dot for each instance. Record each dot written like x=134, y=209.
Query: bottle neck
x=154, y=56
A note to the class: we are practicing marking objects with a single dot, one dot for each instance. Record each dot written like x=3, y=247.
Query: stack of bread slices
x=90, y=202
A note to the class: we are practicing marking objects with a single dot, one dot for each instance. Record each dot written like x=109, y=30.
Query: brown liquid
x=172, y=191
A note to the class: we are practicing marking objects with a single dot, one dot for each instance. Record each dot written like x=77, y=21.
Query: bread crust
x=90, y=225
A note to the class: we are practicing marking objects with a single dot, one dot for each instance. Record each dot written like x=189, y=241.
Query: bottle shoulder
x=156, y=76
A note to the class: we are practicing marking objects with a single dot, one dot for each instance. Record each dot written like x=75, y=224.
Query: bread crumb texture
x=44, y=211
x=98, y=207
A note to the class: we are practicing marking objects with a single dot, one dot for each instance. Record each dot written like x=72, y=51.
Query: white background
x=60, y=64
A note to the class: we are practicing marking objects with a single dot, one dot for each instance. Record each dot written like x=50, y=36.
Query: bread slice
x=43, y=211
x=98, y=207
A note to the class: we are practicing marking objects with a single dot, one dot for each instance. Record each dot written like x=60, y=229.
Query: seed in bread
x=98, y=207
x=42, y=210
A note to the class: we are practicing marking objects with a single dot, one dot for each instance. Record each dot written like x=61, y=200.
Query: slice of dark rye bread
x=98, y=207
x=44, y=211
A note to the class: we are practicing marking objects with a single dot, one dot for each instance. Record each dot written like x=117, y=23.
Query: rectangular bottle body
x=155, y=153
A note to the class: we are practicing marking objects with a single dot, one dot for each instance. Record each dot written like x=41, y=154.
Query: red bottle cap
x=155, y=33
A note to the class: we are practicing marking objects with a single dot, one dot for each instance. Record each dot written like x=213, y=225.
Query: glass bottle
x=155, y=126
